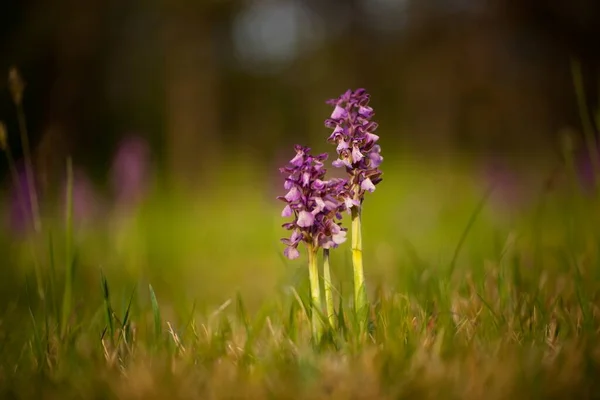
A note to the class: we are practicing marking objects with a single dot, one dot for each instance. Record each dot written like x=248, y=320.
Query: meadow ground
x=472, y=296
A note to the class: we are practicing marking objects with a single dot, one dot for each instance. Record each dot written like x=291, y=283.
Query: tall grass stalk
x=328, y=288
x=17, y=87
x=12, y=166
x=69, y=259
x=315, y=291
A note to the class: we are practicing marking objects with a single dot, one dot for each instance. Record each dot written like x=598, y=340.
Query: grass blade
x=341, y=319
x=107, y=307
x=37, y=340
x=467, y=229
x=241, y=313
x=156, y=314
x=52, y=280
x=128, y=309
x=124, y=332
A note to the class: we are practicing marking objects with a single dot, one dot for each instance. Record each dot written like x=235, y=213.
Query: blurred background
x=216, y=77
x=207, y=98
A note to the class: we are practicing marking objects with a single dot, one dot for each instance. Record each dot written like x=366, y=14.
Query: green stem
x=315, y=291
x=360, y=292
x=67, y=299
x=328, y=288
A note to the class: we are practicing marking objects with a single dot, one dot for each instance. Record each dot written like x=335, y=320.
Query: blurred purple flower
x=20, y=214
x=353, y=133
x=585, y=170
x=313, y=202
x=130, y=170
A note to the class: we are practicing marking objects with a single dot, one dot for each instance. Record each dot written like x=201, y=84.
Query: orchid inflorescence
x=353, y=133
x=317, y=204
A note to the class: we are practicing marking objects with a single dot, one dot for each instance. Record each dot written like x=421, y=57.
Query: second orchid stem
x=360, y=292
x=315, y=291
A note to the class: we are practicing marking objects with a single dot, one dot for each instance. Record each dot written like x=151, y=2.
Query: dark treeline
x=475, y=76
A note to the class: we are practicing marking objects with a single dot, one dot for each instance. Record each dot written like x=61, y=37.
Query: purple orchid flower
x=313, y=202
x=353, y=133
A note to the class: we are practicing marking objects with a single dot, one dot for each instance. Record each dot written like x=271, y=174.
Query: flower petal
x=338, y=163
x=289, y=226
x=367, y=185
x=320, y=205
x=365, y=111
x=326, y=243
x=371, y=137
x=330, y=123
x=330, y=203
x=296, y=237
x=305, y=178
x=376, y=159
x=350, y=202
x=305, y=219
x=339, y=113
x=339, y=237
x=298, y=159
x=318, y=184
x=371, y=126
x=287, y=211
x=342, y=145
x=293, y=195
x=356, y=154
x=291, y=253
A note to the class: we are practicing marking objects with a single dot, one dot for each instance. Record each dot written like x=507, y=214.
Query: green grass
x=190, y=297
